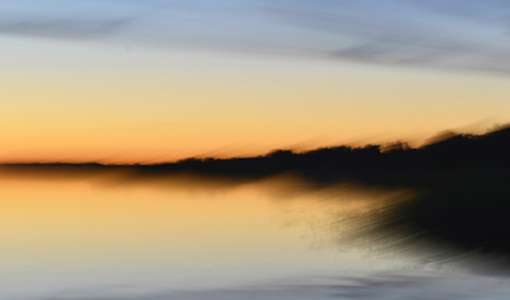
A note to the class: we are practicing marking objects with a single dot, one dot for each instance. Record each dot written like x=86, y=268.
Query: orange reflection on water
x=89, y=230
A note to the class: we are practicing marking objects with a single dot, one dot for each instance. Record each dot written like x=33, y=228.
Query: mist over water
x=89, y=235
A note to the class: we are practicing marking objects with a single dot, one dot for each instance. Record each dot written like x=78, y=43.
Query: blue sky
x=465, y=35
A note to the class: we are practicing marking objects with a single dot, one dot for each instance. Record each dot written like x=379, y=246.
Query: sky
x=154, y=80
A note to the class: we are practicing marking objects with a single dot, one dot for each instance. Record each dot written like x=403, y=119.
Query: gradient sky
x=152, y=80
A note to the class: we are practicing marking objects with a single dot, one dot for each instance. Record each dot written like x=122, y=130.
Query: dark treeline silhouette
x=369, y=164
x=461, y=182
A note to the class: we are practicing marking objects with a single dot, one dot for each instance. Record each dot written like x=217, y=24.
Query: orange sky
x=86, y=101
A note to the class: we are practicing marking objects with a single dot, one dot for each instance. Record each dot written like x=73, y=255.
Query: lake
x=96, y=236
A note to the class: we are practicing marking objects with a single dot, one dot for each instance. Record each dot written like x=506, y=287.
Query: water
x=90, y=237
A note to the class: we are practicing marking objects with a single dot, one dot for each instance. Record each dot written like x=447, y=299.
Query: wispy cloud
x=66, y=19
x=461, y=35
x=63, y=28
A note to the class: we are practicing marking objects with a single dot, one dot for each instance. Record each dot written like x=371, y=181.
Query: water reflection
x=90, y=237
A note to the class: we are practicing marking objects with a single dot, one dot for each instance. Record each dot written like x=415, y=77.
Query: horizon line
x=383, y=147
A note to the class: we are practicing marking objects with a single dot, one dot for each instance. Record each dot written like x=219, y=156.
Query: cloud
x=454, y=35
x=64, y=19
x=63, y=28
x=459, y=35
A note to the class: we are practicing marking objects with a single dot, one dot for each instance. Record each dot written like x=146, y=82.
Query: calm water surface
x=91, y=238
